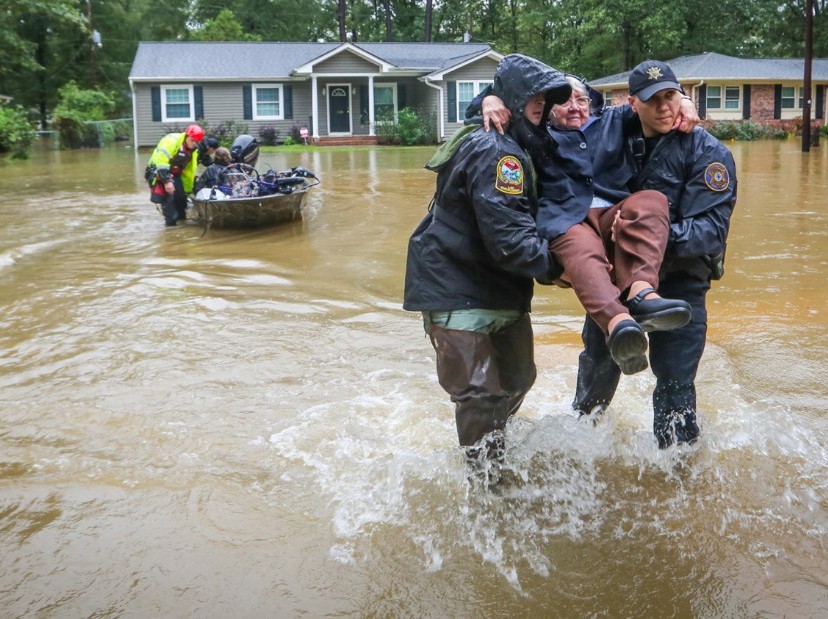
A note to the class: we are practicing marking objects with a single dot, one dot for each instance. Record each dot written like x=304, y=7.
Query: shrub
x=743, y=130
x=268, y=135
x=16, y=132
x=225, y=132
x=289, y=141
x=411, y=127
x=75, y=108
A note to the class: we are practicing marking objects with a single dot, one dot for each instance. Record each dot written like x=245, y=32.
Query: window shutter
x=451, y=93
x=247, y=101
x=363, y=104
x=746, y=101
x=156, y=104
x=702, y=101
x=820, y=103
x=288, y=92
x=777, y=101
x=401, y=96
x=198, y=103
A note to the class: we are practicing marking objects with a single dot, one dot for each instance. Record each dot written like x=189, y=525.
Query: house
x=334, y=90
x=768, y=91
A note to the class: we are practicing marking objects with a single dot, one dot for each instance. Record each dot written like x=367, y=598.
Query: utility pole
x=806, y=96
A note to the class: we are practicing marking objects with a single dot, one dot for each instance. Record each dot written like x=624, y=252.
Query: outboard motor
x=245, y=149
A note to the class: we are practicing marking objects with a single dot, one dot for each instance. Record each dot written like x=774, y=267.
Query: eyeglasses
x=580, y=101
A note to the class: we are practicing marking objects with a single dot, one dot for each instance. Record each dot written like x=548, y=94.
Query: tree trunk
x=341, y=13
x=389, y=22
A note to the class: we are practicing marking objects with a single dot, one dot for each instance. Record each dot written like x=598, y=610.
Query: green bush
x=743, y=131
x=411, y=127
x=16, y=132
x=225, y=132
x=75, y=108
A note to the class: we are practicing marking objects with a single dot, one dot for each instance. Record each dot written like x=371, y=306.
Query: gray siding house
x=765, y=90
x=332, y=90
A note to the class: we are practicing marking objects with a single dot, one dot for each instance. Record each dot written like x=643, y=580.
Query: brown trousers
x=601, y=270
x=487, y=376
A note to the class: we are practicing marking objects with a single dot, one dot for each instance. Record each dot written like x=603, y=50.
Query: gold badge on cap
x=654, y=73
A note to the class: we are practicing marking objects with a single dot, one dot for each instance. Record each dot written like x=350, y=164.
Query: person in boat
x=472, y=259
x=214, y=175
x=207, y=150
x=171, y=172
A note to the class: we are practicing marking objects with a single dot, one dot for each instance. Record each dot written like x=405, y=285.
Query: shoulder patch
x=716, y=176
x=510, y=175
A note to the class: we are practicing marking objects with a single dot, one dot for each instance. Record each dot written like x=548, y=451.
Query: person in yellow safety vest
x=171, y=172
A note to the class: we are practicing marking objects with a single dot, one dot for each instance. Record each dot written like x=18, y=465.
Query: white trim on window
x=168, y=89
x=393, y=87
x=462, y=104
x=722, y=98
x=279, y=103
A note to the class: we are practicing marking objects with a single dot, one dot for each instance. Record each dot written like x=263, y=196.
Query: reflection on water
x=247, y=424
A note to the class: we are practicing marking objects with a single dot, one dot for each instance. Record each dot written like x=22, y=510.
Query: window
x=723, y=97
x=267, y=102
x=466, y=91
x=801, y=91
x=385, y=102
x=788, y=97
x=177, y=104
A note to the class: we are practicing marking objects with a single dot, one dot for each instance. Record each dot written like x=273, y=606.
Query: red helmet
x=195, y=132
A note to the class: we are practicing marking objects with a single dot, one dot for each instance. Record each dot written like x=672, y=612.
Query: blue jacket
x=698, y=175
x=581, y=163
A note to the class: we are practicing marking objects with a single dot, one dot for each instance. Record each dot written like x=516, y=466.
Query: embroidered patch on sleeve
x=509, y=175
x=716, y=177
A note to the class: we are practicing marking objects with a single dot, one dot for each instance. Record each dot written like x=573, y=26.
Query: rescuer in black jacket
x=472, y=259
x=698, y=176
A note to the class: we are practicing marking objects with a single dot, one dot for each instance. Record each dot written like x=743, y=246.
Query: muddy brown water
x=246, y=424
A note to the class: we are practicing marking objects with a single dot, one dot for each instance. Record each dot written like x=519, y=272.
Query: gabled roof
x=206, y=61
x=711, y=66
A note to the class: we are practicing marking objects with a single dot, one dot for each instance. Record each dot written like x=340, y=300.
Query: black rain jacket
x=478, y=246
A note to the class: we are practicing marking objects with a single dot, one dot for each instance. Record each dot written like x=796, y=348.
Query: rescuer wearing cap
x=697, y=174
x=171, y=172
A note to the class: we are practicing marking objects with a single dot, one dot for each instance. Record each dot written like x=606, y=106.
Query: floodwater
x=246, y=424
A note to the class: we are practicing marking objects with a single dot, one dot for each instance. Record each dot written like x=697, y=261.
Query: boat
x=251, y=200
x=247, y=199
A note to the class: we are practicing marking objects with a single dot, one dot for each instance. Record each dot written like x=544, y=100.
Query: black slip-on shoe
x=627, y=344
x=658, y=314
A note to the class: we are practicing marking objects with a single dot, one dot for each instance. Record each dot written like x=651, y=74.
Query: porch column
x=371, y=105
x=315, y=106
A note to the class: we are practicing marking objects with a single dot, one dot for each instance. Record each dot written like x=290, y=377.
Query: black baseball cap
x=651, y=76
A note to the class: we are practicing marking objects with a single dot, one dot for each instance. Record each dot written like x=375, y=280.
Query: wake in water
x=387, y=461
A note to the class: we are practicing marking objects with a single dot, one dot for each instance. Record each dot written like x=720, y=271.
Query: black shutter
x=198, y=96
x=746, y=101
x=156, y=104
x=288, y=92
x=703, y=101
x=777, y=101
x=451, y=93
x=820, y=103
x=363, y=104
x=401, y=96
x=247, y=101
